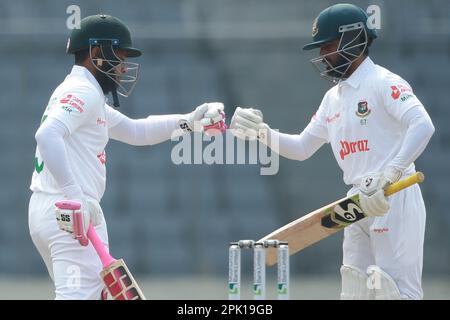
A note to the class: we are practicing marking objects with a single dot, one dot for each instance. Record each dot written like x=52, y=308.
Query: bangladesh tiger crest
x=363, y=109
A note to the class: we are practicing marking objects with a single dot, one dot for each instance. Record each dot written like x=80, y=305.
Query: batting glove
x=204, y=118
x=247, y=123
x=74, y=217
x=371, y=196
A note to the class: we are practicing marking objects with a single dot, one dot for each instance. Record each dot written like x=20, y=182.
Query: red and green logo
x=363, y=109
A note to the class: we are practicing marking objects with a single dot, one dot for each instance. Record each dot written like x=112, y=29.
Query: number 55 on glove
x=326, y=221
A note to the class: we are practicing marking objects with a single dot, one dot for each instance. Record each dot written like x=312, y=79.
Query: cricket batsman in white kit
x=377, y=128
x=70, y=155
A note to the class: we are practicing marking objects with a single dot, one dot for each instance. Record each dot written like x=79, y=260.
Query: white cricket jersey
x=79, y=103
x=361, y=119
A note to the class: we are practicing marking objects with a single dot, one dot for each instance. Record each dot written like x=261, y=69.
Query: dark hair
x=81, y=55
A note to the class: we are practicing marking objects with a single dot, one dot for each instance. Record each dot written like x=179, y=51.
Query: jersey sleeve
x=397, y=96
x=73, y=108
x=318, y=124
x=141, y=132
x=113, y=117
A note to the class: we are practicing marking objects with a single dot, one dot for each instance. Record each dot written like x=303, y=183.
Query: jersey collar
x=360, y=73
x=81, y=71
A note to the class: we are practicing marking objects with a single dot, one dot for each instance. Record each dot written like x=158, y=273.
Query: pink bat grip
x=105, y=257
x=68, y=205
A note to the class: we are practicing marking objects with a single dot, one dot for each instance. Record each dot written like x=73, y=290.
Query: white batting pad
x=383, y=284
x=354, y=284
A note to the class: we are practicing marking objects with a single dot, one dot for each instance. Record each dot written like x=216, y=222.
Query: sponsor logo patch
x=101, y=122
x=398, y=90
x=381, y=230
x=74, y=102
x=349, y=148
x=406, y=97
x=67, y=108
x=395, y=93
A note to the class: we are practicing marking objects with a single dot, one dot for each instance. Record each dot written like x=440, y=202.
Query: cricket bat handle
x=98, y=245
x=417, y=177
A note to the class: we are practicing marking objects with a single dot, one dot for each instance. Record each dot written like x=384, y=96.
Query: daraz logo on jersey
x=353, y=147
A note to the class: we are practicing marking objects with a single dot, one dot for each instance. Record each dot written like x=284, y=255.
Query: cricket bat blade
x=115, y=274
x=326, y=221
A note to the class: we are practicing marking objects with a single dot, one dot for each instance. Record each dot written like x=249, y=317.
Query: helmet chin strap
x=116, y=102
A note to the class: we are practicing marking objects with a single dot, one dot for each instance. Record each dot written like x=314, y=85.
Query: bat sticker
x=343, y=214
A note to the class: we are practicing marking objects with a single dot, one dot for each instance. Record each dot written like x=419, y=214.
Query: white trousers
x=394, y=242
x=74, y=269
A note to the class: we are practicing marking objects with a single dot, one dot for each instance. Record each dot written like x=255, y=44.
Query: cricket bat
x=328, y=220
x=115, y=274
x=118, y=279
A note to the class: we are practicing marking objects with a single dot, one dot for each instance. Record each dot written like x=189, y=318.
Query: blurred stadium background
x=172, y=224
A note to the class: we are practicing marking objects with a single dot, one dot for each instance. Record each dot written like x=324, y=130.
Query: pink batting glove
x=216, y=128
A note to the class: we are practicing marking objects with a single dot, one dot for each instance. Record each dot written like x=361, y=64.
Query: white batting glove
x=74, y=217
x=247, y=123
x=206, y=116
x=371, y=196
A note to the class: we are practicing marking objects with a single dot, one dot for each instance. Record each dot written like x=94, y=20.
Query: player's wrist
x=190, y=122
x=270, y=137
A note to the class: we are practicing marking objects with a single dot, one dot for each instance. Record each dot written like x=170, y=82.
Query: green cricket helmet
x=102, y=27
x=348, y=24
x=109, y=34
